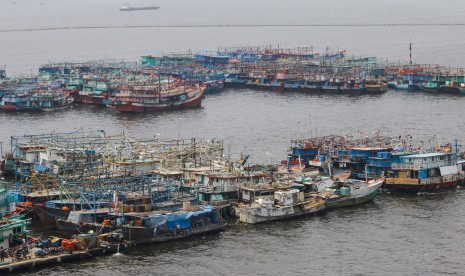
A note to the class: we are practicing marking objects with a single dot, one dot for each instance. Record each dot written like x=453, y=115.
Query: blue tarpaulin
x=177, y=220
x=178, y=224
x=155, y=221
x=39, y=168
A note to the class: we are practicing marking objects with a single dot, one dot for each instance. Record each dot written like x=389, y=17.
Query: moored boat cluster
x=180, y=80
x=116, y=190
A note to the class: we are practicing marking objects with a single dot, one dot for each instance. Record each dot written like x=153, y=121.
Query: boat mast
x=410, y=48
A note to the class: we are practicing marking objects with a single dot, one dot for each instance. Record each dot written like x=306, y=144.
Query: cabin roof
x=369, y=148
x=96, y=211
x=426, y=155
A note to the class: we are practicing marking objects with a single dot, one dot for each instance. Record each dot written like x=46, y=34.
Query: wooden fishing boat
x=53, y=210
x=212, y=86
x=286, y=205
x=431, y=86
x=353, y=192
x=93, y=92
x=425, y=172
x=151, y=98
x=85, y=221
x=35, y=100
x=373, y=87
x=155, y=227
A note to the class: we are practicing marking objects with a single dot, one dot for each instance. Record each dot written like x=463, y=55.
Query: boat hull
x=12, y=108
x=28, y=210
x=130, y=107
x=8, y=107
x=142, y=235
x=70, y=228
x=431, y=89
x=48, y=216
x=260, y=215
x=214, y=88
x=449, y=89
x=374, y=89
x=66, y=105
x=428, y=186
x=311, y=89
x=355, y=199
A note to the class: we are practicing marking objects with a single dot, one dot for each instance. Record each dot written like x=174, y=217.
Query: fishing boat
x=28, y=200
x=85, y=221
x=155, y=227
x=353, y=192
x=93, y=92
x=408, y=86
x=376, y=167
x=249, y=192
x=287, y=204
x=311, y=88
x=425, y=172
x=212, y=86
x=35, y=100
x=449, y=87
x=301, y=152
x=431, y=86
x=102, y=220
x=354, y=160
x=127, y=7
x=373, y=87
x=53, y=210
x=150, y=98
x=235, y=78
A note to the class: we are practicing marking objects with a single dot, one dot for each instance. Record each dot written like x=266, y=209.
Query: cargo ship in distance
x=127, y=7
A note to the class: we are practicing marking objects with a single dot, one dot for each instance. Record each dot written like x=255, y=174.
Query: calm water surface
x=395, y=235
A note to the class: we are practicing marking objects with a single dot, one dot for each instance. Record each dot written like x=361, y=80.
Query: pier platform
x=32, y=262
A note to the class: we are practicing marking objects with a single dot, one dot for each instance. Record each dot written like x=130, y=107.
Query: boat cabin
x=12, y=231
x=88, y=216
x=425, y=165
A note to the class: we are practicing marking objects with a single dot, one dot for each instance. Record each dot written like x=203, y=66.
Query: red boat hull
x=427, y=188
x=8, y=107
x=88, y=99
x=132, y=108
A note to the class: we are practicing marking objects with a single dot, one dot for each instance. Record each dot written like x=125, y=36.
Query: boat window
x=16, y=230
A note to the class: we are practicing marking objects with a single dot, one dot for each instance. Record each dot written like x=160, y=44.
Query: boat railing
x=416, y=166
x=406, y=166
x=442, y=179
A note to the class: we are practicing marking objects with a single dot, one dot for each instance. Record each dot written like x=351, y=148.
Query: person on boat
x=2, y=254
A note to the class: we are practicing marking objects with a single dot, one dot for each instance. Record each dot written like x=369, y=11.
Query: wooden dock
x=36, y=262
